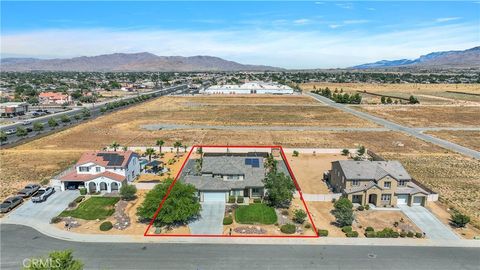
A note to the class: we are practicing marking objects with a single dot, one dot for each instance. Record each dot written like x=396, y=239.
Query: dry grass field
x=428, y=116
x=470, y=139
x=426, y=93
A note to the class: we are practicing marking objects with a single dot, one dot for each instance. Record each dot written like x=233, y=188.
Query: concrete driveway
x=211, y=219
x=43, y=212
x=430, y=224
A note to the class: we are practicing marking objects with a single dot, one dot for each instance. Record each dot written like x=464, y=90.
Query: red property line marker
x=282, y=153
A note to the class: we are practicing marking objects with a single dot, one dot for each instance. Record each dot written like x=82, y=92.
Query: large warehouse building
x=250, y=88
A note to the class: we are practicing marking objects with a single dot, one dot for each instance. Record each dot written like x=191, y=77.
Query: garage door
x=417, y=200
x=402, y=199
x=214, y=197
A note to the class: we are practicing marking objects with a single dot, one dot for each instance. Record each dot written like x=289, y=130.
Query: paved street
x=19, y=242
x=428, y=223
x=211, y=220
x=396, y=127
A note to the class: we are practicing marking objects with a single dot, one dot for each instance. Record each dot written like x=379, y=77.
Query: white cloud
x=319, y=3
x=447, y=19
x=284, y=48
x=355, y=21
x=371, y=9
x=302, y=21
x=345, y=5
x=334, y=26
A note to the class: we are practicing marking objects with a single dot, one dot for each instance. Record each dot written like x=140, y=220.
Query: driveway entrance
x=426, y=221
x=211, y=219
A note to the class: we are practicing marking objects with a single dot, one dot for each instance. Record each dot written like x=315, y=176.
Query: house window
x=402, y=183
x=355, y=182
x=386, y=197
x=387, y=184
x=84, y=169
x=98, y=169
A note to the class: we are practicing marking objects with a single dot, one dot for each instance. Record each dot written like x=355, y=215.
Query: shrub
x=72, y=204
x=128, y=192
x=295, y=153
x=352, y=234
x=410, y=234
x=369, y=229
x=257, y=200
x=387, y=233
x=299, y=216
x=227, y=220
x=79, y=199
x=403, y=234
x=308, y=226
x=240, y=200
x=231, y=199
x=343, y=212
x=106, y=226
x=418, y=235
x=323, y=233
x=288, y=229
x=55, y=220
x=83, y=191
x=285, y=212
x=346, y=229
x=460, y=220
x=370, y=234
x=360, y=208
x=367, y=207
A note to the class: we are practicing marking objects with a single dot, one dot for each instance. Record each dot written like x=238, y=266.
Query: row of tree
x=339, y=97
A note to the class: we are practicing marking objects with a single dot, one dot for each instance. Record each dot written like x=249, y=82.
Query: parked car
x=11, y=131
x=43, y=194
x=10, y=203
x=26, y=123
x=29, y=190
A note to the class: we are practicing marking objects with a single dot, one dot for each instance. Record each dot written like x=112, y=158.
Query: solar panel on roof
x=255, y=163
x=112, y=159
x=248, y=161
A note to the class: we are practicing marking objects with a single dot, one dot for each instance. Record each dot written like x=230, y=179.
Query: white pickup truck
x=43, y=194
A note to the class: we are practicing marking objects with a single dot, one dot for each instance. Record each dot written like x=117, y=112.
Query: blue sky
x=286, y=34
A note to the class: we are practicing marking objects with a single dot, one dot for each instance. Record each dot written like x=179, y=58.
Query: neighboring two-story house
x=102, y=171
x=54, y=98
x=381, y=183
x=227, y=175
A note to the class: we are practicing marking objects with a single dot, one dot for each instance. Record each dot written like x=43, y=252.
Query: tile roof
x=106, y=158
x=74, y=176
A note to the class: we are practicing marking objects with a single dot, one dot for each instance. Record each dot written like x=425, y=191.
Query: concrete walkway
x=396, y=127
x=320, y=197
x=428, y=223
x=211, y=219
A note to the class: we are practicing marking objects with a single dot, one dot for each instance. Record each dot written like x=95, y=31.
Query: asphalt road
x=396, y=127
x=94, y=112
x=19, y=242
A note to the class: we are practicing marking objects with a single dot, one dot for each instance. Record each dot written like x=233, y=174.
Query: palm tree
x=149, y=152
x=177, y=145
x=160, y=143
x=114, y=145
x=125, y=148
x=185, y=148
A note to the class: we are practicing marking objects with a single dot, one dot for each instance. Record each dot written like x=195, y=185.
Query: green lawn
x=255, y=213
x=93, y=208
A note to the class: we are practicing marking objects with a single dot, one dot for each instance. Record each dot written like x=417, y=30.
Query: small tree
x=389, y=100
x=280, y=189
x=128, y=192
x=37, y=126
x=460, y=220
x=86, y=113
x=159, y=143
x=177, y=145
x=3, y=137
x=295, y=153
x=345, y=152
x=65, y=119
x=343, y=212
x=382, y=100
x=413, y=100
x=52, y=122
x=361, y=150
x=21, y=132
x=103, y=110
x=299, y=216
x=149, y=152
x=114, y=145
x=57, y=260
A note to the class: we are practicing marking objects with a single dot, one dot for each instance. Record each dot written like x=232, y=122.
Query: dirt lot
x=444, y=214
x=470, y=139
x=426, y=93
x=323, y=219
x=379, y=220
x=308, y=170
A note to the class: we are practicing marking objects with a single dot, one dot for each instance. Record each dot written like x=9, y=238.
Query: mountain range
x=129, y=62
x=447, y=59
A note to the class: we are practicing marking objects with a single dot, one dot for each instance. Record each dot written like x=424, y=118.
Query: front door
x=372, y=199
x=246, y=193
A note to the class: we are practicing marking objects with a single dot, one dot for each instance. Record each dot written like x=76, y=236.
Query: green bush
x=257, y=200
x=79, y=199
x=55, y=220
x=370, y=234
x=72, y=204
x=240, y=200
x=369, y=229
x=231, y=199
x=308, y=226
x=403, y=234
x=387, y=233
x=227, y=220
x=128, y=192
x=288, y=229
x=352, y=234
x=360, y=208
x=285, y=212
x=299, y=216
x=460, y=220
x=410, y=234
x=418, y=235
x=323, y=233
x=106, y=226
x=295, y=153
x=83, y=191
x=367, y=207
x=346, y=229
